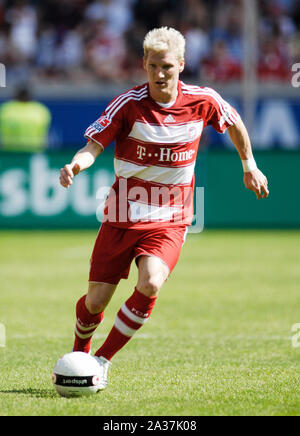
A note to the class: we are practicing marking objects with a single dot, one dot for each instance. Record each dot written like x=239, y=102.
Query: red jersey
x=155, y=153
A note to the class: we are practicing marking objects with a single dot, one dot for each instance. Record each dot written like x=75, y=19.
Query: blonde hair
x=165, y=39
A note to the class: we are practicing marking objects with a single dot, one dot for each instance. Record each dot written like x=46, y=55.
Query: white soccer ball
x=76, y=374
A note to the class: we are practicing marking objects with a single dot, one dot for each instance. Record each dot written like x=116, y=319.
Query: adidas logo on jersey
x=169, y=119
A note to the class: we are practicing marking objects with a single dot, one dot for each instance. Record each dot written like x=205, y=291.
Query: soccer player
x=157, y=127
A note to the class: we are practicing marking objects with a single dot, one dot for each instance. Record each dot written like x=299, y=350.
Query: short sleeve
x=220, y=114
x=106, y=128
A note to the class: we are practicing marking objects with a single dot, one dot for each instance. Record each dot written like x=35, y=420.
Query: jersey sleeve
x=220, y=114
x=107, y=127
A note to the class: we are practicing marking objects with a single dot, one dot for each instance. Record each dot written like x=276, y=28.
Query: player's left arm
x=254, y=179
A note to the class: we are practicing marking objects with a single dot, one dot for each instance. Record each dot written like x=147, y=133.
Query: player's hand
x=67, y=173
x=257, y=182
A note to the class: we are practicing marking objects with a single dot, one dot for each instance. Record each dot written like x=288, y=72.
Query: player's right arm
x=100, y=134
x=82, y=160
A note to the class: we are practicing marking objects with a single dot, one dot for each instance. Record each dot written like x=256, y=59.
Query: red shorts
x=115, y=248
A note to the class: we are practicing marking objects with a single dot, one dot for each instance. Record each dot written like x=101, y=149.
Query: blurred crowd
x=75, y=40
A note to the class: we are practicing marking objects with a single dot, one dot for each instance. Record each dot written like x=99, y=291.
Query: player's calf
x=90, y=313
x=98, y=296
x=86, y=324
x=130, y=318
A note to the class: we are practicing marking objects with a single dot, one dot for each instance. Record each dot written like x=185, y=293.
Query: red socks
x=132, y=315
x=130, y=318
x=85, y=326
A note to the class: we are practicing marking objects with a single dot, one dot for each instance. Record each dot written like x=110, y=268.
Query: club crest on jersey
x=192, y=132
x=101, y=123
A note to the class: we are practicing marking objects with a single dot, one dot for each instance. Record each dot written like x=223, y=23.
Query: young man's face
x=163, y=69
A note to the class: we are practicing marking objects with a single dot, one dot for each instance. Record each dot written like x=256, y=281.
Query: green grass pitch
x=219, y=341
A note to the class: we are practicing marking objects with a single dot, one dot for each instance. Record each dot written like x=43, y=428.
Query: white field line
x=215, y=337
x=59, y=336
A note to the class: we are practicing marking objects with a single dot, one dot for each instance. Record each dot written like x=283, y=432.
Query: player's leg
x=152, y=273
x=98, y=296
x=137, y=309
x=90, y=313
x=156, y=253
x=110, y=261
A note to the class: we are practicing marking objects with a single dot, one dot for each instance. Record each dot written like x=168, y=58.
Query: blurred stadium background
x=76, y=55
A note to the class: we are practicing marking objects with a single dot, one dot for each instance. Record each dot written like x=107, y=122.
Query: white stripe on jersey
x=125, y=94
x=223, y=105
x=227, y=114
x=163, y=175
x=113, y=107
x=148, y=212
x=171, y=134
x=90, y=131
x=140, y=97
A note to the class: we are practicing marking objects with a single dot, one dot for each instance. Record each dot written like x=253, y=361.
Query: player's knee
x=98, y=296
x=95, y=304
x=149, y=286
x=94, y=307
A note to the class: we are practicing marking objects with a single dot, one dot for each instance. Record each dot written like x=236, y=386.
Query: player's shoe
x=104, y=367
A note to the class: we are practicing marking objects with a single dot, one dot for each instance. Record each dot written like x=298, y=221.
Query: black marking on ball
x=74, y=381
